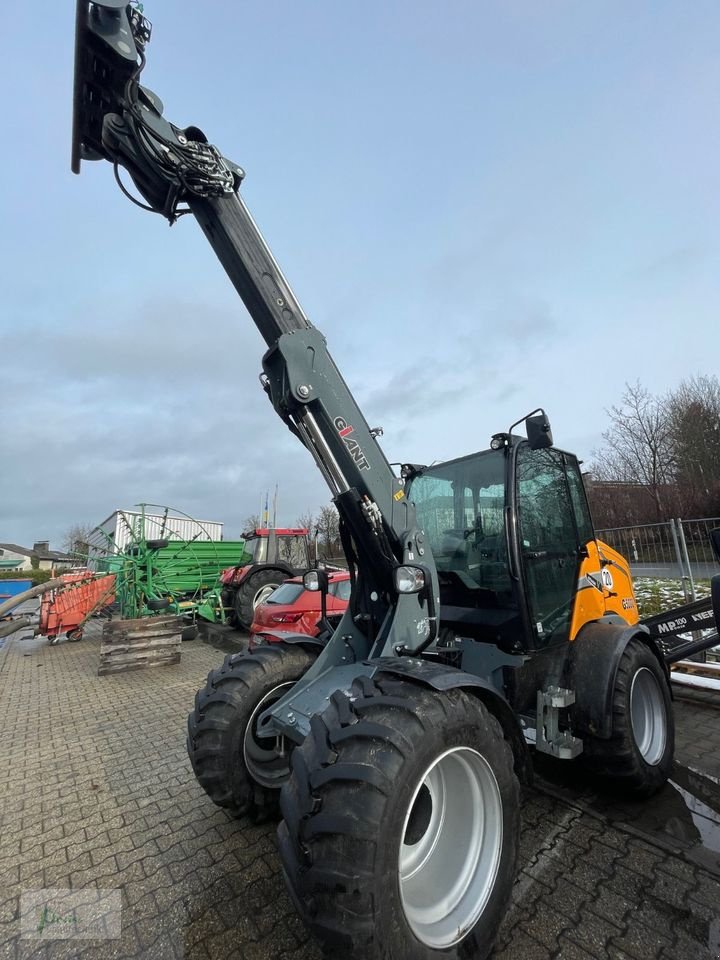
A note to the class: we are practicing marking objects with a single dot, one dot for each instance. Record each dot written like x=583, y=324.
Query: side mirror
x=715, y=541
x=315, y=580
x=539, y=433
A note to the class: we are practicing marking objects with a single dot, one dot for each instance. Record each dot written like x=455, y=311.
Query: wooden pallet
x=698, y=668
x=139, y=644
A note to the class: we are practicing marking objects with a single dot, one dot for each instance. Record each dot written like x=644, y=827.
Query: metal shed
x=123, y=527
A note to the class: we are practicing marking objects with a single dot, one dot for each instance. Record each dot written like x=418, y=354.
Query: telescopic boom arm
x=177, y=171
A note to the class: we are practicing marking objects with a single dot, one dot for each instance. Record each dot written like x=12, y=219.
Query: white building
x=40, y=557
x=125, y=527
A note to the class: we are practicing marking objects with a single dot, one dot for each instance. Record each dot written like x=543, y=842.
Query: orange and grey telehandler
x=486, y=620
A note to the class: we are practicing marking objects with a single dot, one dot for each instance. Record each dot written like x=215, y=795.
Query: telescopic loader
x=485, y=615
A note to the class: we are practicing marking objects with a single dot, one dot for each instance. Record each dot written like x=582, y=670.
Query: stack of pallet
x=137, y=644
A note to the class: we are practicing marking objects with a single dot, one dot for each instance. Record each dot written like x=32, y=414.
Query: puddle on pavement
x=223, y=638
x=701, y=795
x=686, y=812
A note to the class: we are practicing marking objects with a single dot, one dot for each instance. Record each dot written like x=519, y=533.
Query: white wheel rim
x=648, y=716
x=451, y=847
x=262, y=760
x=263, y=593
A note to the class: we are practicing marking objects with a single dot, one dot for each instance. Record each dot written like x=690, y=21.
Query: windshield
x=460, y=506
x=286, y=593
x=255, y=550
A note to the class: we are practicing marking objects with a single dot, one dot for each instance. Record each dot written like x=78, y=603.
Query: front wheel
x=237, y=769
x=401, y=820
x=637, y=759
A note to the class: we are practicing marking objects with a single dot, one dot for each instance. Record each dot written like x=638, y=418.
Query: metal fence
x=677, y=550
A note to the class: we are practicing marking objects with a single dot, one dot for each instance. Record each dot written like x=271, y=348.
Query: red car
x=294, y=609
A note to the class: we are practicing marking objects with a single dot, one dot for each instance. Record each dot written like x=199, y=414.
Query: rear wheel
x=238, y=770
x=638, y=757
x=256, y=589
x=401, y=819
x=74, y=635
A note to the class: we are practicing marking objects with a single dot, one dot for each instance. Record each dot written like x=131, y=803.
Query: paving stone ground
x=96, y=790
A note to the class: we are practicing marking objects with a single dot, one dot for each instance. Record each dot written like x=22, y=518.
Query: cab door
x=549, y=550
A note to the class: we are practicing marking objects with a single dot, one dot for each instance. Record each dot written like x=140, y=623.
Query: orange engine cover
x=604, y=586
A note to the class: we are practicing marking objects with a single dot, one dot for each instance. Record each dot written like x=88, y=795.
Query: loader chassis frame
x=397, y=688
x=177, y=171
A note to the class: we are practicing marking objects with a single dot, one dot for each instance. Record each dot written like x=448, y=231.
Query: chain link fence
x=676, y=560
x=675, y=550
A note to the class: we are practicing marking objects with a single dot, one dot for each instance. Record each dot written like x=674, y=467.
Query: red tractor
x=270, y=557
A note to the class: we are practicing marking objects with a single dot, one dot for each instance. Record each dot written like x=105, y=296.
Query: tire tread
x=217, y=704
x=342, y=776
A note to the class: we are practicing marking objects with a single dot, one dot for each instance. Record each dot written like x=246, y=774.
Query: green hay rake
x=158, y=572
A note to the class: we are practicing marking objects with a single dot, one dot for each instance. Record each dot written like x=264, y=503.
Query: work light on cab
x=409, y=579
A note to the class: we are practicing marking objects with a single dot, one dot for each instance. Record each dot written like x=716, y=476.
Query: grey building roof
x=40, y=554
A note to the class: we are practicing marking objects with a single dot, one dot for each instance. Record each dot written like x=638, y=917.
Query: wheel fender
x=312, y=644
x=442, y=678
x=594, y=659
x=281, y=569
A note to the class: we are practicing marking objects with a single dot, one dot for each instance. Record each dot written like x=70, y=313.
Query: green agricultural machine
x=156, y=570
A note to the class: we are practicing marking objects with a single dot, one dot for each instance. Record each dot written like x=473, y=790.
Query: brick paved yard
x=96, y=790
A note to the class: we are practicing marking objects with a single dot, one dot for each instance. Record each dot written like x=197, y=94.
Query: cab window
x=583, y=519
x=293, y=551
x=548, y=542
x=340, y=589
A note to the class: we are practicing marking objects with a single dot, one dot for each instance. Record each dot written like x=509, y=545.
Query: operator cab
x=508, y=529
x=460, y=507
x=277, y=545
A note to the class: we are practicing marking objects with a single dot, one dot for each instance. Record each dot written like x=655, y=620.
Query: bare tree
x=694, y=412
x=251, y=523
x=661, y=456
x=638, y=447
x=307, y=521
x=328, y=524
x=76, y=539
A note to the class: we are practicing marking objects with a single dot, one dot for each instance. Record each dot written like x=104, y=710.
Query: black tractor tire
x=217, y=728
x=246, y=596
x=637, y=759
x=354, y=807
x=74, y=635
x=159, y=604
x=156, y=544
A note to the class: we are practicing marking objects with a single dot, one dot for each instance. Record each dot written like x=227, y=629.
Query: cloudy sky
x=485, y=206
